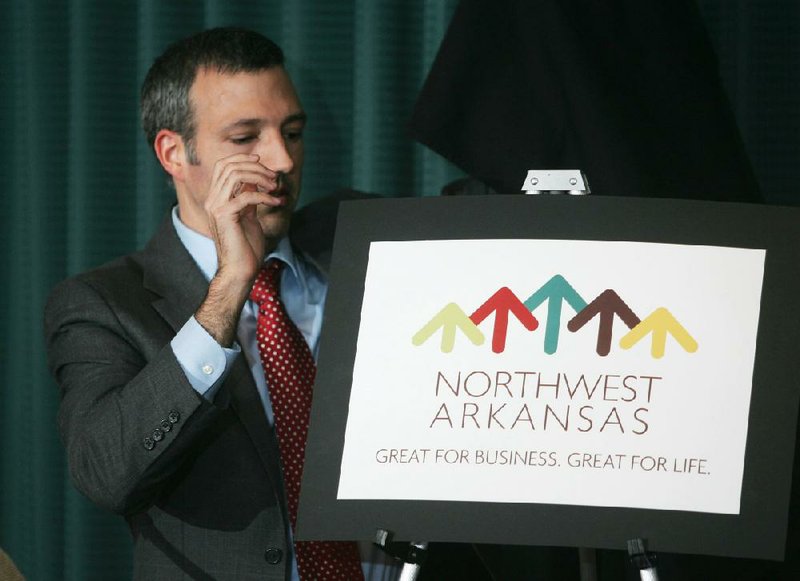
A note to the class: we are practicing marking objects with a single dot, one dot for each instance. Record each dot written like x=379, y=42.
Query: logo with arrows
x=557, y=292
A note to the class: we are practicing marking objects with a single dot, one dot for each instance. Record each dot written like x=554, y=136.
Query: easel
x=412, y=554
x=642, y=560
x=736, y=515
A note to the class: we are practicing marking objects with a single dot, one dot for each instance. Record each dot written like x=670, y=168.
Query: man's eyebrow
x=244, y=124
x=295, y=118
x=256, y=123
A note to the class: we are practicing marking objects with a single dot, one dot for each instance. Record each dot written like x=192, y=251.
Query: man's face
x=256, y=113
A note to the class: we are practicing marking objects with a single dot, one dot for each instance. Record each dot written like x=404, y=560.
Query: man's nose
x=274, y=154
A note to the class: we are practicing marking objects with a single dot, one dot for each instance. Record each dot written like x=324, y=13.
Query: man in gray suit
x=165, y=412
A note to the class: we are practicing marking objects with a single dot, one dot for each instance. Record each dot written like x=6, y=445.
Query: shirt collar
x=202, y=249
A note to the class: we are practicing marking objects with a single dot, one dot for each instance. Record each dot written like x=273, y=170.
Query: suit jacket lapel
x=170, y=272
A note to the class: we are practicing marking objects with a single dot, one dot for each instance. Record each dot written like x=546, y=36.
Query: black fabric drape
x=627, y=91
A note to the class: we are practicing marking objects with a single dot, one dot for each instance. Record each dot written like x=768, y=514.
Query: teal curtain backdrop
x=80, y=186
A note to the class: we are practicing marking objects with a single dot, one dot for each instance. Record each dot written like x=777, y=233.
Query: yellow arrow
x=450, y=318
x=659, y=323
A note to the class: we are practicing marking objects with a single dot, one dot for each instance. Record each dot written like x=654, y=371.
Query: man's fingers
x=235, y=180
x=251, y=166
x=238, y=186
x=222, y=163
x=246, y=162
x=237, y=183
x=244, y=200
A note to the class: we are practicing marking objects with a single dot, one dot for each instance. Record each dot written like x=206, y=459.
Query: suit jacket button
x=148, y=444
x=158, y=435
x=165, y=425
x=273, y=555
x=173, y=417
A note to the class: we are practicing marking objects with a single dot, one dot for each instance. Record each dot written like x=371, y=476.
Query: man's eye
x=292, y=136
x=242, y=139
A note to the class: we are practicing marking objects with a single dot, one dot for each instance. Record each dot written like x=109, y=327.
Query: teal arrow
x=555, y=291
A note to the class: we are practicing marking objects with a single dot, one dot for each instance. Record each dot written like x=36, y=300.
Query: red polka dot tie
x=289, y=369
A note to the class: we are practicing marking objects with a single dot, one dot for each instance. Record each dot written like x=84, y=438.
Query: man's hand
x=239, y=185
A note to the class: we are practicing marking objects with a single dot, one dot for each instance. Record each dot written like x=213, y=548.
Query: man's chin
x=275, y=224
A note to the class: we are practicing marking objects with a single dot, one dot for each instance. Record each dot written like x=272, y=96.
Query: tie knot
x=267, y=284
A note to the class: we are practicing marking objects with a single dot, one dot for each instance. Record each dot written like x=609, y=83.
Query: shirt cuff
x=204, y=361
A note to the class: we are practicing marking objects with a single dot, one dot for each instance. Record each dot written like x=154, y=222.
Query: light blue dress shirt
x=206, y=363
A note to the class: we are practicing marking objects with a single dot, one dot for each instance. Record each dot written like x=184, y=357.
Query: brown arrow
x=607, y=304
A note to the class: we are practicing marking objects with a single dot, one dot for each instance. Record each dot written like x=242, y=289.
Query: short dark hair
x=165, y=92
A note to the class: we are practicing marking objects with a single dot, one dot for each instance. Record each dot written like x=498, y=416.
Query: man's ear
x=171, y=152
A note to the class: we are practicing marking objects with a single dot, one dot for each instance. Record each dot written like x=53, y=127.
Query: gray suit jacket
x=204, y=498
x=199, y=482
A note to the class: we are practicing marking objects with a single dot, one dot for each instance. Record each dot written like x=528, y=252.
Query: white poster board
x=643, y=385
x=479, y=394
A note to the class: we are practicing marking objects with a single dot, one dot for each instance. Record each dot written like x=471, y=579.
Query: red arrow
x=501, y=304
x=607, y=304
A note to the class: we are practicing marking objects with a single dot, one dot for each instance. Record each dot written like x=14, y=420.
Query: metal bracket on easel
x=642, y=560
x=556, y=181
x=412, y=554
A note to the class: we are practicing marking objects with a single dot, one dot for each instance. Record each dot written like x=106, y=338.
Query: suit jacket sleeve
x=128, y=415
